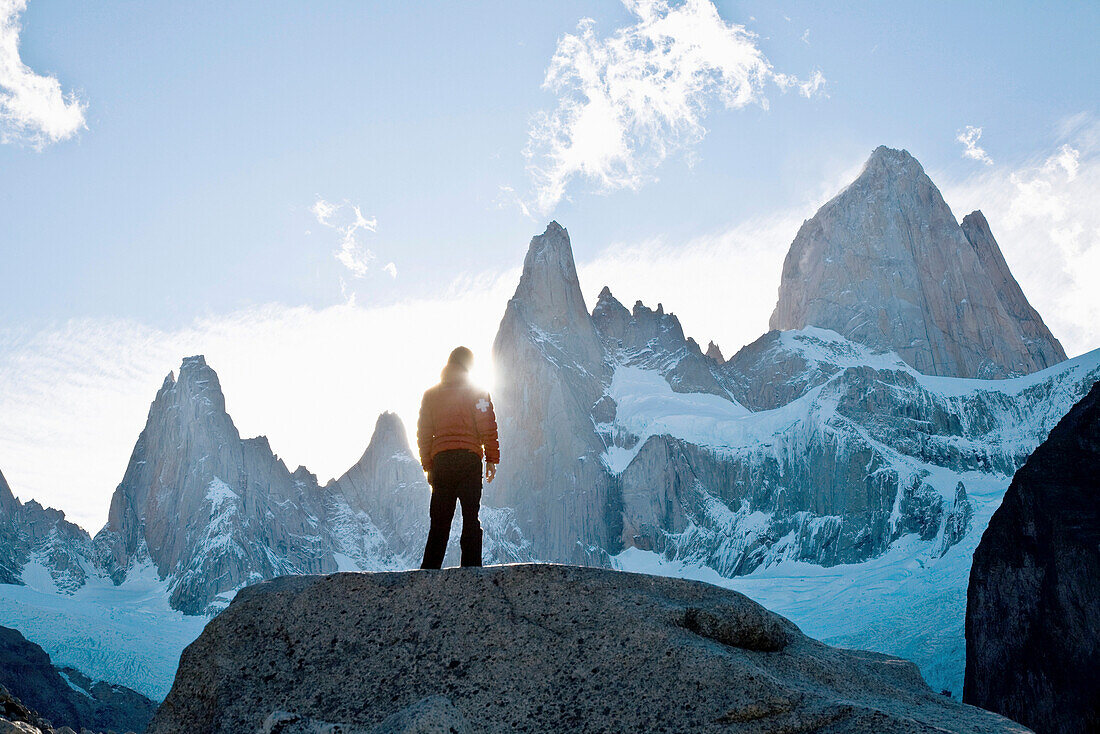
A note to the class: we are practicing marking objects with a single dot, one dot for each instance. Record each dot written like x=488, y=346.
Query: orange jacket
x=456, y=415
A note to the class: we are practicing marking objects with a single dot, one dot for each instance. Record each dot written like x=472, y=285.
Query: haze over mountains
x=853, y=436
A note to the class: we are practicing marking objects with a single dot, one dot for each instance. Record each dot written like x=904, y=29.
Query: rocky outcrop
x=214, y=512
x=66, y=697
x=551, y=371
x=1032, y=642
x=388, y=485
x=886, y=264
x=30, y=532
x=654, y=340
x=534, y=649
x=715, y=353
x=431, y=715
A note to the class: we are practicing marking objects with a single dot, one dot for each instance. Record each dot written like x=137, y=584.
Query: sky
x=324, y=198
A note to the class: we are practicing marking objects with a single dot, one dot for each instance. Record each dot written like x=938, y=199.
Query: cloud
x=33, y=109
x=391, y=269
x=348, y=221
x=1043, y=213
x=969, y=138
x=628, y=101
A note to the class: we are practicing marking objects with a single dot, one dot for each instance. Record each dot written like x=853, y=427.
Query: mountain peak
x=886, y=264
x=550, y=250
x=891, y=156
x=193, y=362
x=548, y=299
x=389, y=430
x=7, y=499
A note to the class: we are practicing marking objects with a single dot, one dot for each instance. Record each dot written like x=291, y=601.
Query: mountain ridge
x=623, y=444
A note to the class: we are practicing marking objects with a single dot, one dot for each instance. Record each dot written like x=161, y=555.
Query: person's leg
x=442, y=511
x=470, y=496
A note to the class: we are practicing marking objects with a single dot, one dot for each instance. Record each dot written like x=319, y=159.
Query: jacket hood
x=453, y=373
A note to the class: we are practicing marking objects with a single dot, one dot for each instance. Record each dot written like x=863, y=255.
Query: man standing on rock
x=457, y=427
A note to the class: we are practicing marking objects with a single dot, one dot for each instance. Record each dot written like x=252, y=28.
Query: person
x=456, y=429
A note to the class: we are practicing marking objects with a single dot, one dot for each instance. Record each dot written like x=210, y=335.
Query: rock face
x=551, y=371
x=654, y=340
x=31, y=533
x=388, y=486
x=1032, y=642
x=885, y=263
x=214, y=512
x=535, y=649
x=66, y=697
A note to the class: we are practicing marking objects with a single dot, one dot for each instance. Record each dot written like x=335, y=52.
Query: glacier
x=911, y=600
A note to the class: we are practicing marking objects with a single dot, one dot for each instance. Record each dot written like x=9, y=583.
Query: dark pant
x=455, y=476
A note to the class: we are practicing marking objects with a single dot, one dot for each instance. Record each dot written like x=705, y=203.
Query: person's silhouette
x=457, y=427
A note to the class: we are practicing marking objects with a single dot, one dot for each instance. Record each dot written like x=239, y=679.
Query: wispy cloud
x=628, y=101
x=348, y=221
x=969, y=138
x=33, y=109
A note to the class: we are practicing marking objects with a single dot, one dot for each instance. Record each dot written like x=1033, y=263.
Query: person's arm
x=486, y=419
x=425, y=431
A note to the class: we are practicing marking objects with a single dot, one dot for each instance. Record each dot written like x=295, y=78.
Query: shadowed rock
x=1032, y=641
x=536, y=648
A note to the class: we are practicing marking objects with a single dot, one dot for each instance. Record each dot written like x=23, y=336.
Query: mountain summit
x=214, y=512
x=885, y=263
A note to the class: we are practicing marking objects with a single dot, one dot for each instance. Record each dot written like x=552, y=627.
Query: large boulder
x=1032, y=640
x=535, y=648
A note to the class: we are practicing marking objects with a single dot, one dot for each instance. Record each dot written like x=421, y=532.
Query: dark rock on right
x=1033, y=605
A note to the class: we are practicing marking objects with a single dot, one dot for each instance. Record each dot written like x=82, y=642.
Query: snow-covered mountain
x=37, y=540
x=838, y=473
x=809, y=449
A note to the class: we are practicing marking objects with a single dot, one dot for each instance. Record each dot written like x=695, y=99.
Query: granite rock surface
x=886, y=264
x=536, y=648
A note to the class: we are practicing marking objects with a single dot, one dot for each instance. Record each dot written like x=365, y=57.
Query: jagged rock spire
x=551, y=370
x=886, y=263
x=548, y=299
x=389, y=486
x=215, y=512
x=715, y=353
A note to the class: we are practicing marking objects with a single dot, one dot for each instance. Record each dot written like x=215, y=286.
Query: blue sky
x=185, y=206
x=212, y=127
